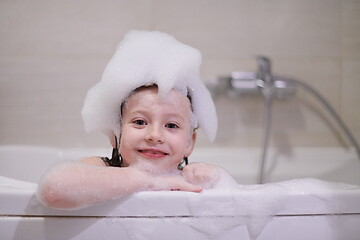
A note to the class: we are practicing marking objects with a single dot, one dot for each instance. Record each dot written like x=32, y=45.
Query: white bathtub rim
x=23, y=201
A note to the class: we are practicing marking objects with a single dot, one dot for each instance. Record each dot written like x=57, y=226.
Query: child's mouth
x=153, y=153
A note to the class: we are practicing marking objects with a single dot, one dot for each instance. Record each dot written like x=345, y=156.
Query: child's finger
x=184, y=186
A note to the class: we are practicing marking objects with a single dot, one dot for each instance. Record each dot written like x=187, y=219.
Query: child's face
x=156, y=132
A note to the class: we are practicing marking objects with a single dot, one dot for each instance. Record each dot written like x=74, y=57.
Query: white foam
x=314, y=186
x=144, y=58
x=254, y=206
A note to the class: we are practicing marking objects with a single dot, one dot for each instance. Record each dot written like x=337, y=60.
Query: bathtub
x=309, y=207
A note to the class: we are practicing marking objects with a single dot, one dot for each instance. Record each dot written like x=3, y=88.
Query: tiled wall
x=51, y=52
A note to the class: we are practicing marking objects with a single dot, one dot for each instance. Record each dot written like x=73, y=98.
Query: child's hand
x=173, y=183
x=202, y=174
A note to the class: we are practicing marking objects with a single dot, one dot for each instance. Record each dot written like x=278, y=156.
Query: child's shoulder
x=97, y=161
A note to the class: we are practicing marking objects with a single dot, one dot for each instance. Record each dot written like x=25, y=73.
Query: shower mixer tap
x=262, y=81
x=272, y=86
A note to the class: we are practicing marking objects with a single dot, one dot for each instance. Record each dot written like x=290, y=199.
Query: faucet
x=272, y=86
x=264, y=69
x=265, y=82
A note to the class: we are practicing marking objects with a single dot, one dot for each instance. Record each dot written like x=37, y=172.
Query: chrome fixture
x=272, y=86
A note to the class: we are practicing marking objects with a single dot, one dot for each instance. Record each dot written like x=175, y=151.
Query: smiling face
x=156, y=133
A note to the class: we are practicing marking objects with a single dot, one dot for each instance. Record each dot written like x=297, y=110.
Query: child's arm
x=75, y=185
x=208, y=176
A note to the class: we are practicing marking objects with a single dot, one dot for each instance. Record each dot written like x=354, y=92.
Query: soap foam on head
x=145, y=58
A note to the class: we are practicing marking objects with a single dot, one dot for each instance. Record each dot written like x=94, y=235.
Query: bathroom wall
x=51, y=52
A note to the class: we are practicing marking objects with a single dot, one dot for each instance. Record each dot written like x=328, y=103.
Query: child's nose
x=155, y=134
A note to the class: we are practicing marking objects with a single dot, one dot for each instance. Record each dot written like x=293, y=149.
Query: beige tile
x=351, y=28
x=324, y=75
x=246, y=28
x=305, y=121
x=220, y=67
x=64, y=28
x=351, y=95
x=41, y=100
x=239, y=120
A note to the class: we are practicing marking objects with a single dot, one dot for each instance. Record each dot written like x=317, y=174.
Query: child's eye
x=172, y=125
x=139, y=122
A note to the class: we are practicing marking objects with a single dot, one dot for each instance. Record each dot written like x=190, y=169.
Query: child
x=156, y=132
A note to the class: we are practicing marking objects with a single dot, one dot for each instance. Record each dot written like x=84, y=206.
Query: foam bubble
x=254, y=206
x=144, y=58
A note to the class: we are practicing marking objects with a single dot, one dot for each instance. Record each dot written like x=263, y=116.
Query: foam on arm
x=76, y=185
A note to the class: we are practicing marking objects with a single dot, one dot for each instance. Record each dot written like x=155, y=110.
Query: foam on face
x=145, y=58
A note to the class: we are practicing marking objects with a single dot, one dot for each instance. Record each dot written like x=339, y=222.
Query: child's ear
x=191, y=144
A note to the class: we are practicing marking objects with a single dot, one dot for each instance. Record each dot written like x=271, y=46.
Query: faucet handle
x=264, y=68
